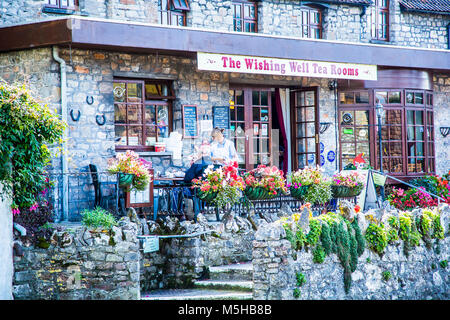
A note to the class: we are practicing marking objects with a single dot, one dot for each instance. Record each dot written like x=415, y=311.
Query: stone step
x=246, y=286
x=196, y=294
x=238, y=271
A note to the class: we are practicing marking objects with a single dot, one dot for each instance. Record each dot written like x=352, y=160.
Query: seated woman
x=198, y=166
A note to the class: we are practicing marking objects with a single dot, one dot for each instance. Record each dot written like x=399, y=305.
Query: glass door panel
x=305, y=121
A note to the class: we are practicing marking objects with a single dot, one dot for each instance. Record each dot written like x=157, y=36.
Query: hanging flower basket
x=346, y=192
x=125, y=180
x=259, y=193
x=207, y=196
x=299, y=192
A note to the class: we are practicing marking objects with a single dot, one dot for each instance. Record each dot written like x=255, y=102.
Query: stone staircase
x=228, y=282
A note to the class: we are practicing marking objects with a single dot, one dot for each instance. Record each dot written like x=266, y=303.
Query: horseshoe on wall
x=89, y=100
x=77, y=117
x=102, y=121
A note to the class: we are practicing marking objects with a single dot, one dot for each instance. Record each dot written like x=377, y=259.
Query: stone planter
x=345, y=192
x=299, y=193
x=259, y=193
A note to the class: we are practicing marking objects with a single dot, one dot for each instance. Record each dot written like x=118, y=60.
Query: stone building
x=126, y=73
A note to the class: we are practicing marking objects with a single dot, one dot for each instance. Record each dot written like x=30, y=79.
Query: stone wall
x=81, y=265
x=419, y=275
x=181, y=260
x=441, y=101
x=275, y=17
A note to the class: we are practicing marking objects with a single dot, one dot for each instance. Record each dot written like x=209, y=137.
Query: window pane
x=264, y=98
x=163, y=133
x=419, y=133
x=264, y=114
x=256, y=114
x=362, y=117
x=410, y=116
x=395, y=149
x=239, y=97
x=150, y=135
x=240, y=113
x=381, y=97
x=362, y=97
x=134, y=92
x=346, y=98
x=394, y=97
x=395, y=132
x=419, y=117
x=134, y=113
x=150, y=115
x=121, y=135
x=237, y=11
x=120, y=112
x=134, y=135
x=347, y=117
x=348, y=150
x=396, y=165
x=255, y=98
x=163, y=115
x=409, y=97
x=53, y=2
x=418, y=98
x=119, y=91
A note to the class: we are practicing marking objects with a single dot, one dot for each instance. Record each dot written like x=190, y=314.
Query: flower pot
x=125, y=180
x=258, y=193
x=299, y=193
x=207, y=196
x=345, y=192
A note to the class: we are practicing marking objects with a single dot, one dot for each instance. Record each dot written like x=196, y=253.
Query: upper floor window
x=63, y=4
x=311, y=23
x=173, y=12
x=380, y=20
x=245, y=16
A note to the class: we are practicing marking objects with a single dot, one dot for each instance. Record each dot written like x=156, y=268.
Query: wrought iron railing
x=83, y=193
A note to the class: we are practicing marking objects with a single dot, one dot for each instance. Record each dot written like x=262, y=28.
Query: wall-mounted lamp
x=332, y=84
x=444, y=131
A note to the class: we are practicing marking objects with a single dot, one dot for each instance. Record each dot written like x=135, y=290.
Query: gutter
x=65, y=184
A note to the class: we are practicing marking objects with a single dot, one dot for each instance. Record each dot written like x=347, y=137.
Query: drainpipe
x=65, y=194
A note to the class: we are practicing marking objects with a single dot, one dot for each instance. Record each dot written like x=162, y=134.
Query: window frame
x=429, y=153
x=243, y=19
x=310, y=10
x=172, y=12
x=154, y=100
x=62, y=7
x=375, y=24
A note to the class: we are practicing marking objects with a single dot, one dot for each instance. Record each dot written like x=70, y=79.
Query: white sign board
x=285, y=67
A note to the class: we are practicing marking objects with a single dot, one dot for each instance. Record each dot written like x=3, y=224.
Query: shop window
x=311, y=23
x=245, y=16
x=407, y=130
x=173, y=12
x=380, y=20
x=142, y=113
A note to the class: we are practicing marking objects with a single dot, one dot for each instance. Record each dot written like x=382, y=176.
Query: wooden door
x=305, y=127
x=251, y=126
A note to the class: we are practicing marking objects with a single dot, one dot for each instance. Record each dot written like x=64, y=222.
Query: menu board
x=190, y=121
x=221, y=118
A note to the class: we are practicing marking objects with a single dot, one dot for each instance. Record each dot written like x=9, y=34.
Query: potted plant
x=222, y=186
x=347, y=184
x=98, y=220
x=302, y=179
x=133, y=172
x=264, y=183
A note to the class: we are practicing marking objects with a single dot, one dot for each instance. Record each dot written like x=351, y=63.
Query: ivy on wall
x=27, y=128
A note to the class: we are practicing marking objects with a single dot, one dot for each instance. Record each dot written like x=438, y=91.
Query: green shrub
x=98, y=218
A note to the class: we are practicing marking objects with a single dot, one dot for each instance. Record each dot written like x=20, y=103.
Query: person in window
x=222, y=149
x=198, y=166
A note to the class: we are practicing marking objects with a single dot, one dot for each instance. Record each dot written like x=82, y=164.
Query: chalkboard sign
x=221, y=118
x=190, y=121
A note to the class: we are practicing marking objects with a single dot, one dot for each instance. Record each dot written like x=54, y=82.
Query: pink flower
x=15, y=211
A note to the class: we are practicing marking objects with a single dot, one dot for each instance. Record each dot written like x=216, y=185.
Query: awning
x=89, y=33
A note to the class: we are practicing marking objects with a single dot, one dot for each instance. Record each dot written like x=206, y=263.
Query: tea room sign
x=285, y=67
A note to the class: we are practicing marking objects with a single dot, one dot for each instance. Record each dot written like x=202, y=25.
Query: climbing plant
x=27, y=129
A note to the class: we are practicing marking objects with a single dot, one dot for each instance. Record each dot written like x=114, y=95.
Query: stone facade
x=275, y=17
x=81, y=265
x=441, y=115
x=420, y=275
